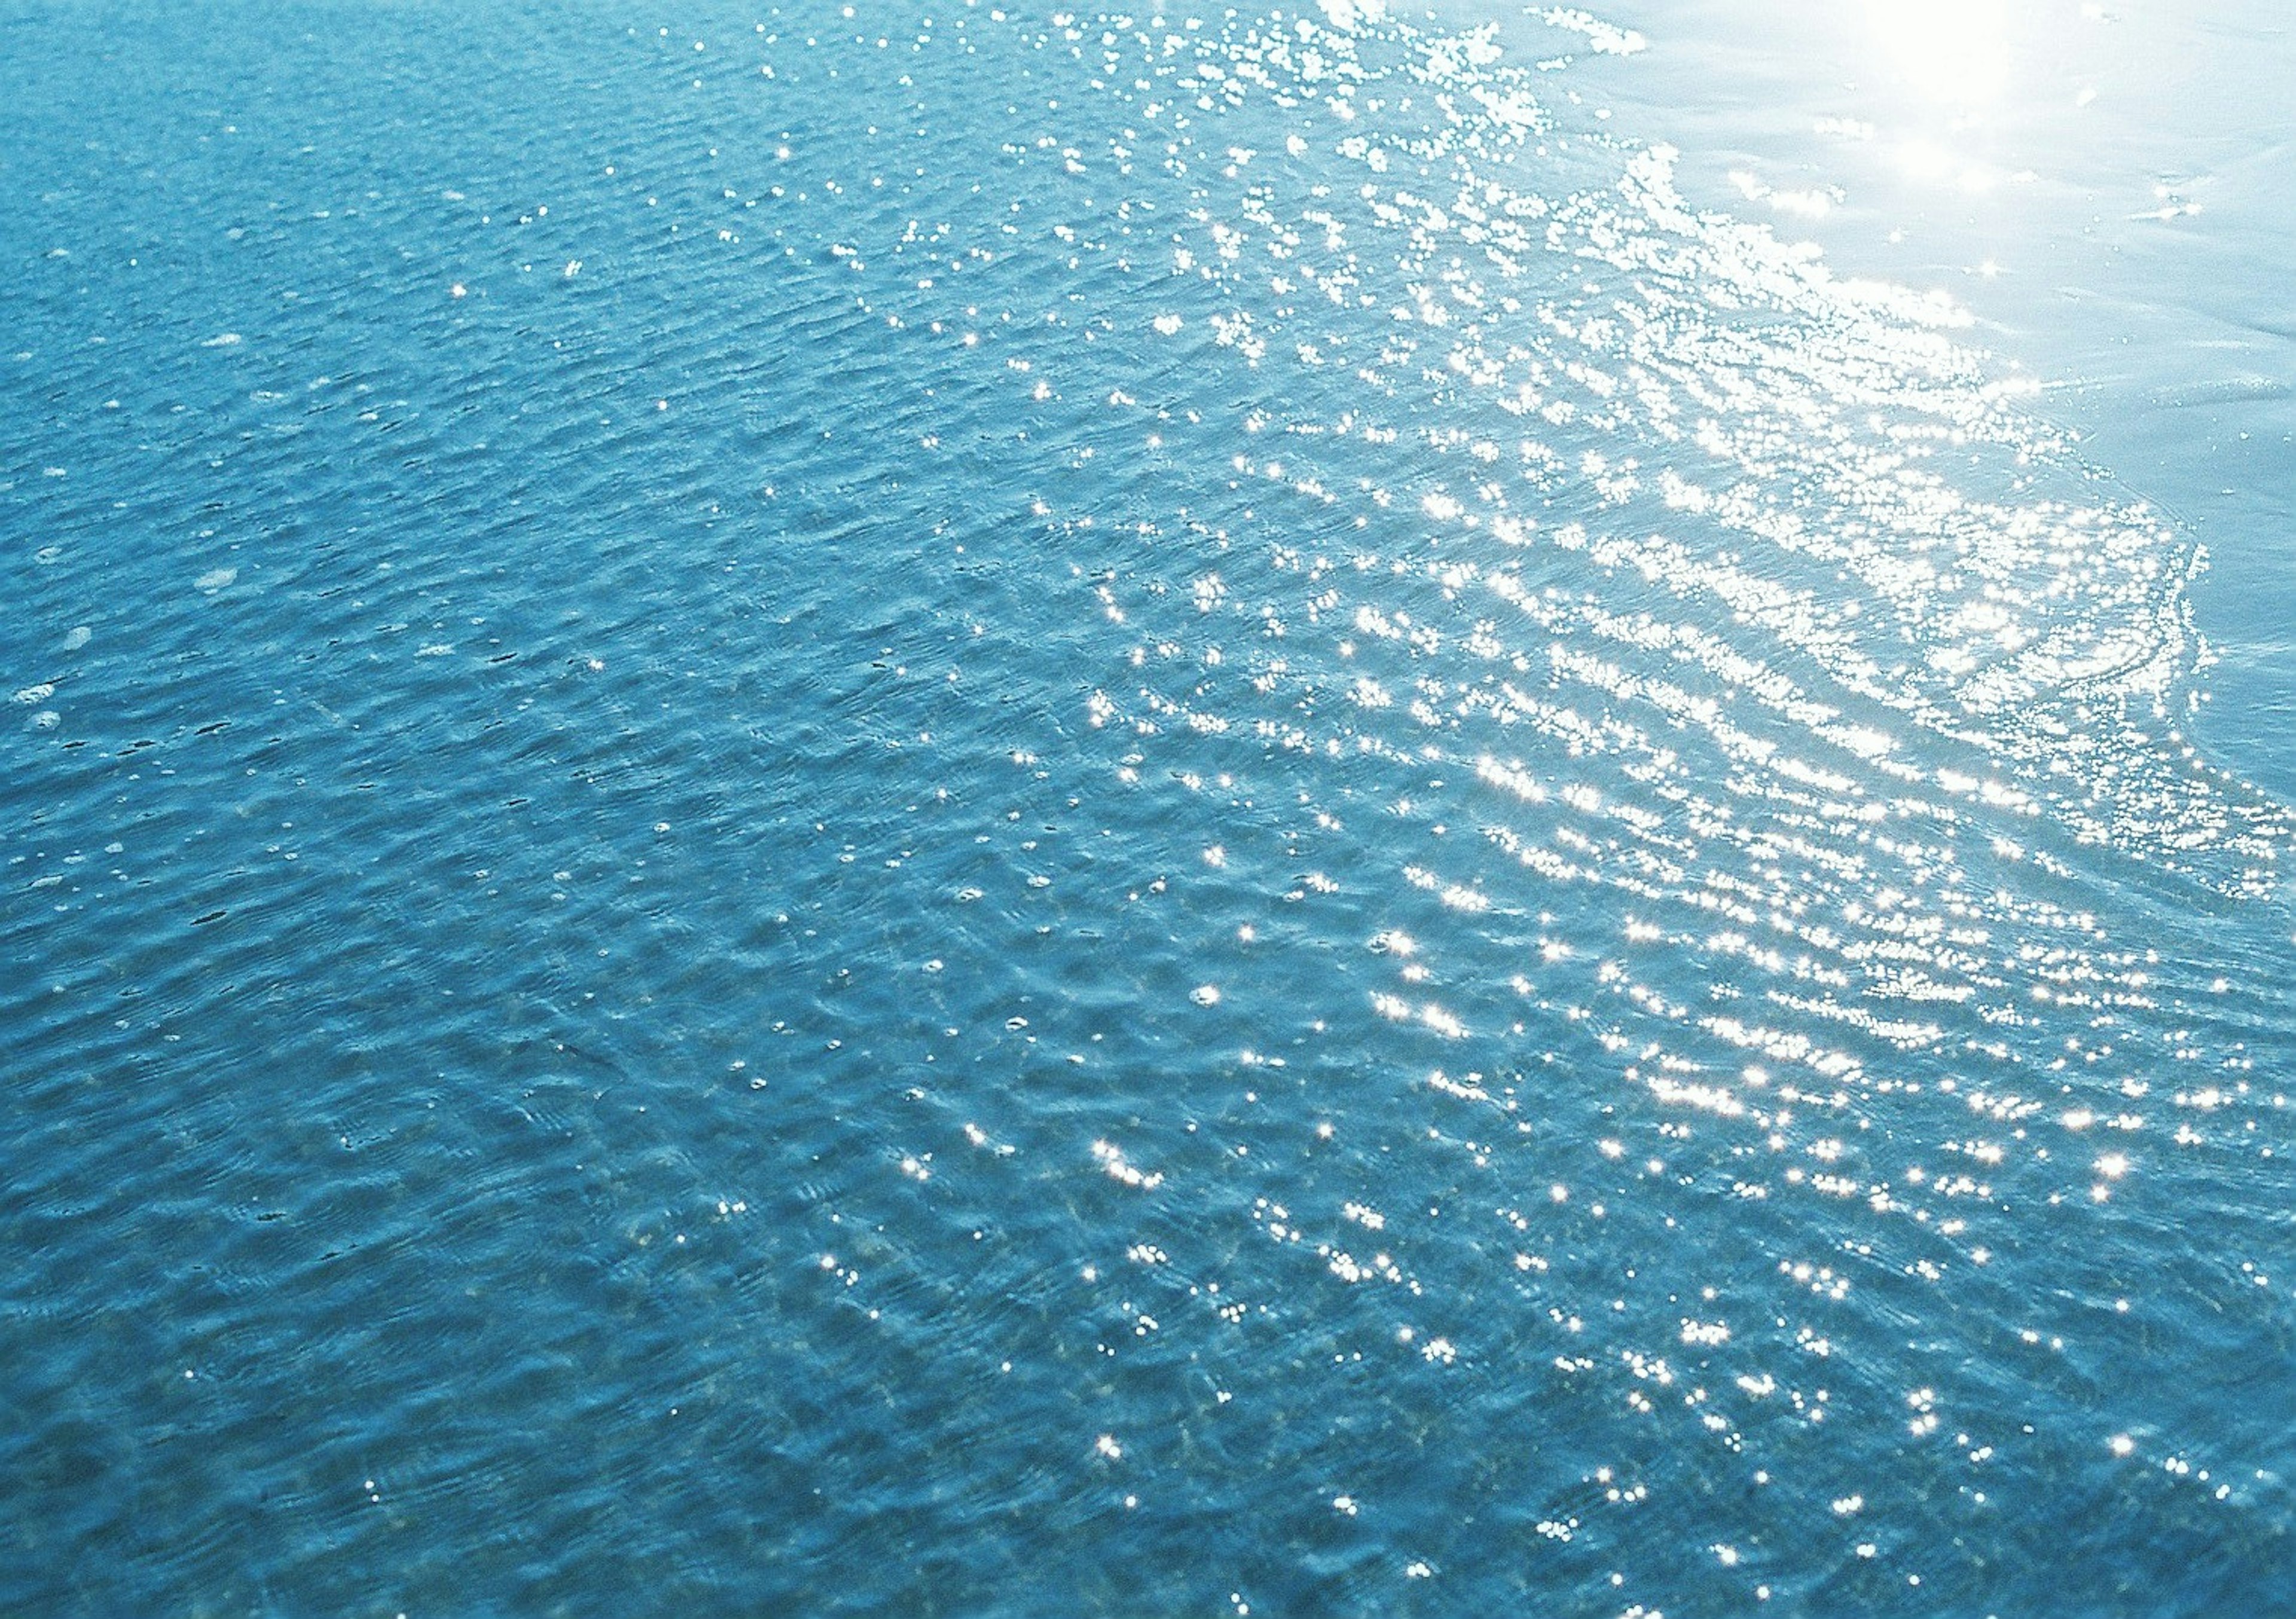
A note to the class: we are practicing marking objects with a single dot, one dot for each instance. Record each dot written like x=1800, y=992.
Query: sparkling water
x=929, y=809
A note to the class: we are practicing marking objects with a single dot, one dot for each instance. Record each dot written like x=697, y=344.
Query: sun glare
x=1951, y=50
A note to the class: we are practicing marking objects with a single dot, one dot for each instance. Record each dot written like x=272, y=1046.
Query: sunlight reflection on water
x=1171, y=810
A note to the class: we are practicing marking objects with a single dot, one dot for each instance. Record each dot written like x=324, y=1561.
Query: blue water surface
x=940, y=809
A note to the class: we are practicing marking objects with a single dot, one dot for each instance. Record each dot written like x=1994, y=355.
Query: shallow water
x=1015, y=811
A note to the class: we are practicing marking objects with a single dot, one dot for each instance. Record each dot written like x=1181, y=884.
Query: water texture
x=964, y=811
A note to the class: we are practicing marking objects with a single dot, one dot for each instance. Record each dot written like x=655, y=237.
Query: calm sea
x=911, y=808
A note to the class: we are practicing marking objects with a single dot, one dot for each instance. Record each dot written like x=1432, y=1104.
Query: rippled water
x=950, y=810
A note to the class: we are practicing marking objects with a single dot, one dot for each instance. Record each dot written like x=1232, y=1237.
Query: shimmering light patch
x=1952, y=50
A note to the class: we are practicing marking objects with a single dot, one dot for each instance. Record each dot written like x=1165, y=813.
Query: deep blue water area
x=940, y=809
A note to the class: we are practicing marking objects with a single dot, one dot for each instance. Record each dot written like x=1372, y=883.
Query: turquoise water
x=954, y=810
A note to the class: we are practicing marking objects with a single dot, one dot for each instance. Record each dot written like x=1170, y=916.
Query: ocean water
x=1010, y=809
